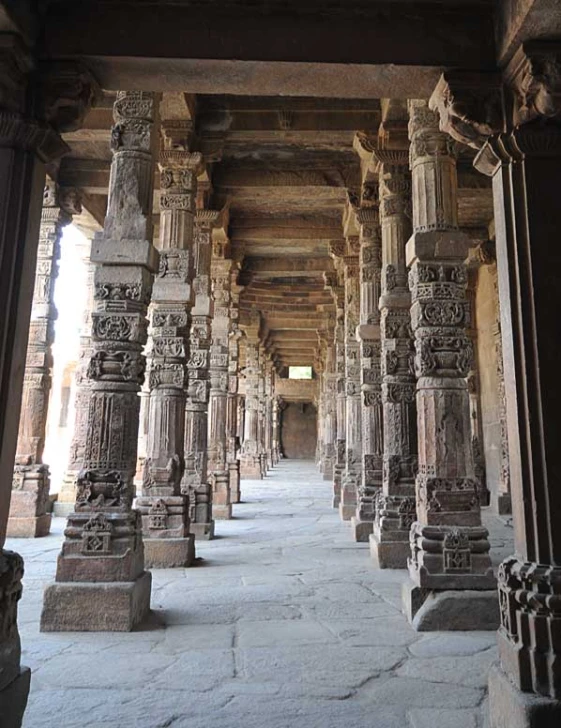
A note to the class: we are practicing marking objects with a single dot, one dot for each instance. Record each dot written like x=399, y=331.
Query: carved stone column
x=276, y=430
x=332, y=282
x=389, y=544
x=525, y=164
x=195, y=481
x=27, y=143
x=232, y=438
x=250, y=465
x=353, y=429
x=163, y=507
x=218, y=466
x=329, y=385
x=64, y=504
x=101, y=583
x=450, y=547
x=368, y=334
x=28, y=510
x=268, y=387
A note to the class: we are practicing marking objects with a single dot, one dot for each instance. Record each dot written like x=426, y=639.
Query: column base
x=511, y=708
x=13, y=699
x=63, y=510
x=389, y=554
x=169, y=553
x=202, y=531
x=347, y=511
x=362, y=530
x=29, y=526
x=429, y=611
x=504, y=504
x=222, y=513
x=253, y=473
x=96, y=607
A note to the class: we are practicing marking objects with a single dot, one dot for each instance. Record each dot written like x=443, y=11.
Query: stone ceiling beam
x=385, y=49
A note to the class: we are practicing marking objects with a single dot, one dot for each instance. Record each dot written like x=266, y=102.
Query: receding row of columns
x=373, y=376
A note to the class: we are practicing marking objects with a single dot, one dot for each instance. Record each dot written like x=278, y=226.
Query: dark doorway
x=299, y=431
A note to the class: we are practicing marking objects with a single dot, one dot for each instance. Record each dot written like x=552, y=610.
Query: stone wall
x=486, y=323
x=297, y=389
x=299, y=431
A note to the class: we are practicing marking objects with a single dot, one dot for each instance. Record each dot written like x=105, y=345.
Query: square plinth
x=169, y=553
x=29, y=526
x=361, y=529
x=511, y=708
x=96, y=607
x=13, y=699
x=389, y=554
x=222, y=513
x=346, y=512
x=202, y=531
x=430, y=611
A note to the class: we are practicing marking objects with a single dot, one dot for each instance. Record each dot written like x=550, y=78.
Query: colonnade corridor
x=283, y=623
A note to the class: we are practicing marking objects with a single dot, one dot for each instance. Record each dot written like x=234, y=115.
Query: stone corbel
x=469, y=106
x=66, y=91
x=534, y=75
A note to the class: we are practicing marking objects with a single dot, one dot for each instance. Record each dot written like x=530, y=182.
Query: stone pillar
x=475, y=392
x=250, y=465
x=276, y=430
x=27, y=143
x=450, y=547
x=332, y=282
x=232, y=437
x=389, y=543
x=504, y=502
x=329, y=385
x=268, y=380
x=101, y=583
x=523, y=155
x=64, y=504
x=29, y=516
x=164, y=508
x=368, y=335
x=218, y=466
x=353, y=428
x=195, y=481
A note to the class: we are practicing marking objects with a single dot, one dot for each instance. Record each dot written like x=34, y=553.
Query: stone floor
x=283, y=623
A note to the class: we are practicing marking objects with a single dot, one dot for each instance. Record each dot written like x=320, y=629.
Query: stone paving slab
x=283, y=623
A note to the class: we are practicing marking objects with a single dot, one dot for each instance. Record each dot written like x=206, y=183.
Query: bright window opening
x=299, y=372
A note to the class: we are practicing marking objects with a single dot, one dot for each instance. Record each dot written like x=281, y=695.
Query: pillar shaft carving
x=219, y=386
x=396, y=504
x=353, y=430
x=250, y=454
x=233, y=438
x=67, y=494
x=195, y=480
x=28, y=513
x=164, y=509
x=103, y=540
x=340, y=426
x=368, y=334
x=450, y=548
